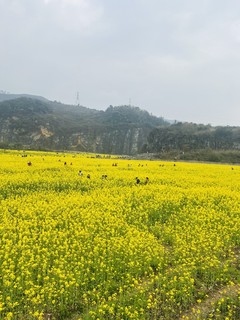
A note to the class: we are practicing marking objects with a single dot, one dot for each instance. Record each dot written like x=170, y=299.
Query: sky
x=177, y=59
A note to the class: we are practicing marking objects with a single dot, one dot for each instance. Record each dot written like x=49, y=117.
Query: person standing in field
x=146, y=180
x=137, y=180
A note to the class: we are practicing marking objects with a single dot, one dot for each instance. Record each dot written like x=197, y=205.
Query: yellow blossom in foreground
x=108, y=248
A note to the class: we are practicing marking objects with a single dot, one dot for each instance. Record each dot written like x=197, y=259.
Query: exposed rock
x=37, y=124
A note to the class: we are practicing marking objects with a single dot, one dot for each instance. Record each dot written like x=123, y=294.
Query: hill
x=32, y=122
x=190, y=141
x=41, y=124
x=4, y=96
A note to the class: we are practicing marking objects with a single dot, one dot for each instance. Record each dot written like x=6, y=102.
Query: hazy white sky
x=179, y=59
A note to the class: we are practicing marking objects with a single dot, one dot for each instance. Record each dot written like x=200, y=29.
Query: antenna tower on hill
x=77, y=99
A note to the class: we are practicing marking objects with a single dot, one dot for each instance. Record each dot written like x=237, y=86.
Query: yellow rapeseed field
x=101, y=246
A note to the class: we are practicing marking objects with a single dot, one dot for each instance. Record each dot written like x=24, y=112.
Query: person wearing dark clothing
x=137, y=180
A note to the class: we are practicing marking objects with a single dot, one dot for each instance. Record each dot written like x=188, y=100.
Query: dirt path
x=202, y=309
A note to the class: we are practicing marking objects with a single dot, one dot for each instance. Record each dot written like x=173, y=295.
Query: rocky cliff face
x=27, y=123
x=34, y=124
x=113, y=141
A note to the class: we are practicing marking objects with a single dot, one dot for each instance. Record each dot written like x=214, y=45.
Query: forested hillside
x=190, y=141
x=38, y=124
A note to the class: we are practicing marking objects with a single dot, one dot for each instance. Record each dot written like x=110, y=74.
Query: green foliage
x=29, y=122
x=132, y=116
x=189, y=141
x=37, y=124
